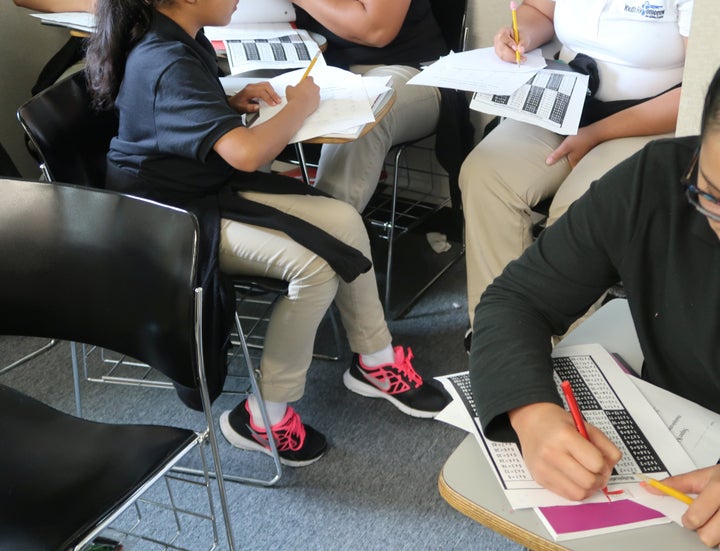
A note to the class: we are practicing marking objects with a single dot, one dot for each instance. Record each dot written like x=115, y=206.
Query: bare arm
x=535, y=28
x=366, y=22
x=652, y=117
x=248, y=149
x=57, y=5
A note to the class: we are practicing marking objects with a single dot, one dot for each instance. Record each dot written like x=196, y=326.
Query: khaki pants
x=505, y=176
x=313, y=285
x=350, y=171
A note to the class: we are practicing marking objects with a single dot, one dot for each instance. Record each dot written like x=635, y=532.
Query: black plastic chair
x=72, y=140
x=65, y=479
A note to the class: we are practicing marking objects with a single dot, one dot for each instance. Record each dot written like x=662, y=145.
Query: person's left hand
x=246, y=100
x=573, y=147
x=703, y=515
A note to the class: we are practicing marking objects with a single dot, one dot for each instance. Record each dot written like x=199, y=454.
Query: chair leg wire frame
x=398, y=210
x=28, y=357
x=128, y=526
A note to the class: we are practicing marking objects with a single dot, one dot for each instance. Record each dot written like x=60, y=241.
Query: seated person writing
x=653, y=222
x=182, y=142
x=376, y=38
x=636, y=98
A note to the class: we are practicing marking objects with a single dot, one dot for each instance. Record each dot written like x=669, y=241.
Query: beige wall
x=703, y=59
x=25, y=45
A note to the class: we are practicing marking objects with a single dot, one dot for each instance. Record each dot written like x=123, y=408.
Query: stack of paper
x=80, y=21
x=346, y=102
x=528, y=92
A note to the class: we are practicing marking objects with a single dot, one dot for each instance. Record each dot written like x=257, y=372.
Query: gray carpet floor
x=376, y=488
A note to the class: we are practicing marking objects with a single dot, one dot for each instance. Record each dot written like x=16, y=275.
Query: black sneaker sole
x=239, y=441
x=366, y=389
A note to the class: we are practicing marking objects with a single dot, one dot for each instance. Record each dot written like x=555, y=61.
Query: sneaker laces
x=398, y=377
x=403, y=365
x=289, y=432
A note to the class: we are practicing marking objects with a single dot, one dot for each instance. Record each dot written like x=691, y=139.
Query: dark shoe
x=468, y=340
x=298, y=444
x=398, y=383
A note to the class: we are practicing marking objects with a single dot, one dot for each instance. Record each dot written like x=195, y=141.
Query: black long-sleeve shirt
x=634, y=225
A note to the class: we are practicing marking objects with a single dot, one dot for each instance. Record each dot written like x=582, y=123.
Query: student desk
x=469, y=485
x=321, y=139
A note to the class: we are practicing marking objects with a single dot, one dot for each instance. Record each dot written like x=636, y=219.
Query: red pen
x=574, y=409
x=580, y=424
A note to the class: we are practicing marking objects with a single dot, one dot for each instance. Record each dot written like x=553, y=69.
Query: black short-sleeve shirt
x=172, y=110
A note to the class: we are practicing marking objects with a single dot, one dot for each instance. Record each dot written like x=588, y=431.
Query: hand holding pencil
x=558, y=457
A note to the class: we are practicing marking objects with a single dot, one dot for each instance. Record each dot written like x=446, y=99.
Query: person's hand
x=246, y=100
x=573, y=147
x=703, y=516
x=557, y=456
x=505, y=46
x=305, y=93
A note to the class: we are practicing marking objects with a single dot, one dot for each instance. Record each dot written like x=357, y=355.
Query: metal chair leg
x=28, y=357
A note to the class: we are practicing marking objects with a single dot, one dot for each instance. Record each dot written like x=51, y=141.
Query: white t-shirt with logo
x=637, y=44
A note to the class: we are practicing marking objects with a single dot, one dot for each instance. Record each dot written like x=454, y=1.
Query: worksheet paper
x=344, y=102
x=552, y=99
x=609, y=401
x=77, y=20
x=479, y=70
x=291, y=50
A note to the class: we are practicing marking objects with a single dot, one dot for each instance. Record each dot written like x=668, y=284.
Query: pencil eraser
x=513, y=6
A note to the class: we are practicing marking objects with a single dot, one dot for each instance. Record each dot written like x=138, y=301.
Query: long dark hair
x=119, y=25
x=711, y=109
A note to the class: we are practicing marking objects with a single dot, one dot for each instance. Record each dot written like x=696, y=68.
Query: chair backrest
x=100, y=268
x=451, y=15
x=69, y=135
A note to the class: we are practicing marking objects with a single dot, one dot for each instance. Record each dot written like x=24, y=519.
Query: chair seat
x=42, y=511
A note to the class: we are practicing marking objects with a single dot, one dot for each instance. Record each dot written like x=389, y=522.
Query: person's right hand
x=557, y=456
x=305, y=93
x=505, y=46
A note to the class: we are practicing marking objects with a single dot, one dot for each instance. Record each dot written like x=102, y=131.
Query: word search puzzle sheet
x=608, y=400
x=551, y=99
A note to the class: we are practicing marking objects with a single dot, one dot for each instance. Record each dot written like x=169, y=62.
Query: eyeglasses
x=693, y=193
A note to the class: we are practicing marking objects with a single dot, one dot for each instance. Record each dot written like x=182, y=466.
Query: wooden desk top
x=468, y=484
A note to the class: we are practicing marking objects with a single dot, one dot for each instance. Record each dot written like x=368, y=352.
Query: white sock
x=381, y=357
x=275, y=410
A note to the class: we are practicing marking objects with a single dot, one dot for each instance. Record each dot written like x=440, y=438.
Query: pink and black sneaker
x=298, y=444
x=398, y=383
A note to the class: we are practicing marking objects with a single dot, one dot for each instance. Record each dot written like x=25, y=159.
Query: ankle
x=381, y=357
x=276, y=412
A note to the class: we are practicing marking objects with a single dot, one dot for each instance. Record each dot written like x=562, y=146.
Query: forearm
x=372, y=23
x=248, y=149
x=57, y=5
x=535, y=23
x=652, y=117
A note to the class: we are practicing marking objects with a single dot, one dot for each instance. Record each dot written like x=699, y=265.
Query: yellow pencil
x=309, y=67
x=672, y=492
x=516, y=35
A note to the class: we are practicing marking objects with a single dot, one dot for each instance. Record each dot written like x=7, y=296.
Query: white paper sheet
x=552, y=99
x=78, y=20
x=344, y=103
x=479, y=70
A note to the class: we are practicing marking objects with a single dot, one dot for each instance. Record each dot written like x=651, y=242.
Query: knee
x=473, y=180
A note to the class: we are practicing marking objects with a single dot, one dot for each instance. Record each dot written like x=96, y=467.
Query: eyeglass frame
x=692, y=192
